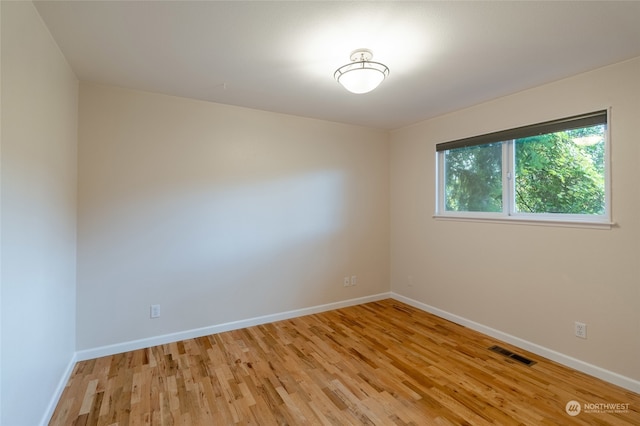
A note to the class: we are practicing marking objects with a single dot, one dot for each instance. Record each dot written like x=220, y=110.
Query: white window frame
x=508, y=213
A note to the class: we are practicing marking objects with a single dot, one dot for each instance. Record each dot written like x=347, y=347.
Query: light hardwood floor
x=381, y=363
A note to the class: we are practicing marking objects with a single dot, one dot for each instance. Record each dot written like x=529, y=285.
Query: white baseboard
x=64, y=379
x=601, y=373
x=576, y=364
x=219, y=328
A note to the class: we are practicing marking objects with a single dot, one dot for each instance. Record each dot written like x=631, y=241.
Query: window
x=551, y=171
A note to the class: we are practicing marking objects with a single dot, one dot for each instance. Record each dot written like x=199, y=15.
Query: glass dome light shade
x=362, y=76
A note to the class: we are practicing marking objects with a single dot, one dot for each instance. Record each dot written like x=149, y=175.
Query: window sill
x=511, y=220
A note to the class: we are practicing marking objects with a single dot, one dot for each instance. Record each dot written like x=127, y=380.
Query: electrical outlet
x=410, y=280
x=155, y=311
x=581, y=330
x=354, y=280
x=346, y=282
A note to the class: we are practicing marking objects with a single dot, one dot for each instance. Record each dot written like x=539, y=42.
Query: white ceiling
x=281, y=56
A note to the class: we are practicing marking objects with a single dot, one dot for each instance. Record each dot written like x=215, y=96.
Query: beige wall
x=532, y=282
x=38, y=174
x=220, y=213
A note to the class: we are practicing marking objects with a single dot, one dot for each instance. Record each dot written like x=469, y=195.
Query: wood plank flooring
x=381, y=363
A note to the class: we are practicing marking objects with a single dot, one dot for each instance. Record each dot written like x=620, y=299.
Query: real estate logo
x=573, y=408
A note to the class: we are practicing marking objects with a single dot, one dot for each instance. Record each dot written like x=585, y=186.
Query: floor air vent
x=509, y=354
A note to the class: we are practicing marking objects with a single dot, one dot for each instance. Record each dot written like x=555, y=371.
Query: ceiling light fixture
x=361, y=75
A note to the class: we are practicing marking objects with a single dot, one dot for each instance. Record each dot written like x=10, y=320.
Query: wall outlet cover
x=155, y=311
x=581, y=330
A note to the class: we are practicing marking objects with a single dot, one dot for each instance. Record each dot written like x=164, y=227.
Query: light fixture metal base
x=361, y=55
